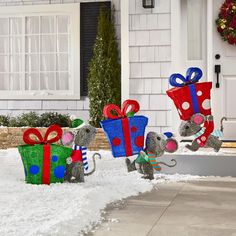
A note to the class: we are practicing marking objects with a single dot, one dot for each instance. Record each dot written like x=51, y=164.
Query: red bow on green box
x=42, y=140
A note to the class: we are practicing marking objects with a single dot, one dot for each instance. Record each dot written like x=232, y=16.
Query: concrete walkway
x=198, y=208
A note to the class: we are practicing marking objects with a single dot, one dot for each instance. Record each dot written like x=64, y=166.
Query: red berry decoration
x=226, y=21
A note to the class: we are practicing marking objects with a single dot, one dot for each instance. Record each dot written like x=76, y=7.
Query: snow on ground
x=65, y=209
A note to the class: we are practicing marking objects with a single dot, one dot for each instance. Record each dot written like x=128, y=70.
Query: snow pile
x=163, y=178
x=182, y=150
x=64, y=209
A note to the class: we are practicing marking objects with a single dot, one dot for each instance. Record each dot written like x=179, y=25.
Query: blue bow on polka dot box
x=43, y=161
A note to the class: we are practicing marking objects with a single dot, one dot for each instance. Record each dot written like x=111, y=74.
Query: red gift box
x=189, y=96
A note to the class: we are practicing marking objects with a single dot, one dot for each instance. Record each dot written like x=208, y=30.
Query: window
x=195, y=20
x=39, y=52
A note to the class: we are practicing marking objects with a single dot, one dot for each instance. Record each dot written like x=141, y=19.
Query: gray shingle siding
x=150, y=61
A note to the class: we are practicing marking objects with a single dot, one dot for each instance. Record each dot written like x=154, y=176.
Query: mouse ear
x=171, y=145
x=67, y=138
x=198, y=118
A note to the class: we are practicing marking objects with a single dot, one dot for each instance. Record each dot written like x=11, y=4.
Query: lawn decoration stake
x=44, y=162
x=79, y=139
x=192, y=100
x=125, y=133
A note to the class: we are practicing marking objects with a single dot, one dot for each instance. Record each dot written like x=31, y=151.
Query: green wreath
x=226, y=21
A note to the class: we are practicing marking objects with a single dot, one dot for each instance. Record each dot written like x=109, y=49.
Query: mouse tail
x=95, y=155
x=172, y=160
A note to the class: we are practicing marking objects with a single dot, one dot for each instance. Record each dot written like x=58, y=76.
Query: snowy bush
x=4, y=120
x=32, y=119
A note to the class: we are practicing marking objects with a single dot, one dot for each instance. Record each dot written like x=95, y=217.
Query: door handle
x=217, y=71
x=221, y=123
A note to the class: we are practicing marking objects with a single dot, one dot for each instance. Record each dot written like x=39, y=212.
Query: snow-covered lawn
x=64, y=209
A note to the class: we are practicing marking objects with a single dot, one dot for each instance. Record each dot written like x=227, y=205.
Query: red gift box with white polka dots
x=183, y=99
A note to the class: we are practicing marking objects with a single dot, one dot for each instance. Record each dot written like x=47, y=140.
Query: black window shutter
x=89, y=13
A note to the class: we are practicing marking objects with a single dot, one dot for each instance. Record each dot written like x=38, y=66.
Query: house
x=154, y=42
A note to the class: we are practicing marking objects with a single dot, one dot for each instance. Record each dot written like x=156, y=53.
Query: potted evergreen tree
x=104, y=83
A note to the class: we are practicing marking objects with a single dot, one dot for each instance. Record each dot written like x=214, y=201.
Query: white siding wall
x=150, y=61
x=80, y=108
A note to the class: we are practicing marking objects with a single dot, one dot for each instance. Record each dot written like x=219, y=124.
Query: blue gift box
x=125, y=135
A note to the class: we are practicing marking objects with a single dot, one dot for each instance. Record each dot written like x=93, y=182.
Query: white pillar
x=210, y=29
x=124, y=9
x=176, y=55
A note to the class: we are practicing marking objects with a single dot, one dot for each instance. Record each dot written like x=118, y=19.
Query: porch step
x=229, y=145
x=204, y=163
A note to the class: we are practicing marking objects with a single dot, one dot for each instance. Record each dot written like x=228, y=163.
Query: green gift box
x=44, y=162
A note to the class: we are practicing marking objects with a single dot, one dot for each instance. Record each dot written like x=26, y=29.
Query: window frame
x=71, y=10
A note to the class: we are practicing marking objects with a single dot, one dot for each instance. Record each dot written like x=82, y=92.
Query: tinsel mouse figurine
x=79, y=138
x=194, y=127
x=156, y=146
x=192, y=99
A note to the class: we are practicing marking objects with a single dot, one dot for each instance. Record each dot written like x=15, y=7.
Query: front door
x=224, y=97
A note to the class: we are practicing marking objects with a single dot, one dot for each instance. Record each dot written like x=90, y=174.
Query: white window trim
x=72, y=10
x=124, y=5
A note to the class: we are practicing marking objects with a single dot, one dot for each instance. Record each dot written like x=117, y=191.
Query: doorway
x=196, y=43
